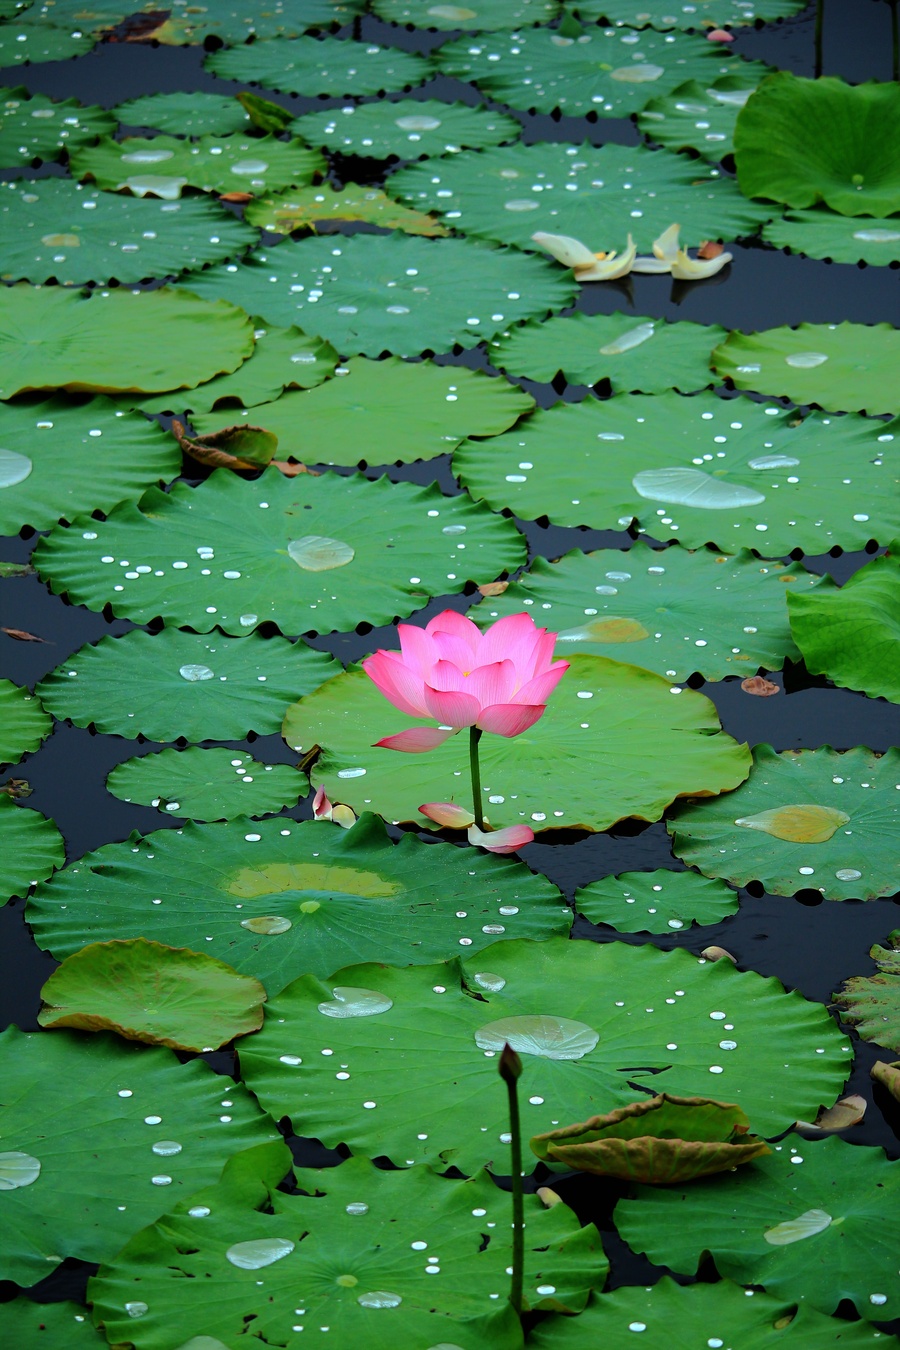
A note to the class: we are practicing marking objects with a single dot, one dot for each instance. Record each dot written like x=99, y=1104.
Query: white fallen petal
x=666, y=246
x=692, y=269
x=609, y=267
x=571, y=252
x=645, y=264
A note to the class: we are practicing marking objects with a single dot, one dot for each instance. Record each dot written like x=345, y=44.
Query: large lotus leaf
x=663, y=901
x=302, y=209
x=168, y=685
x=10, y=8
x=152, y=993
x=820, y=233
x=814, y=819
x=843, y=367
x=182, y=114
x=94, y=16
x=309, y=554
x=408, y=128
x=598, y=1026
x=32, y=847
x=674, y=612
x=385, y=411
x=327, y=65
x=23, y=722
x=663, y=14
x=61, y=458
x=850, y=633
x=694, y=117
x=815, y=1221
x=680, y=1317
x=33, y=126
x=108, y=1128
x=116, y=341
x=611, y=72
x=479, y=14
x=805, y=141
x=235, y=23
x=273, y=897
x=54, y=228
x=363, y=1245
x=592, y=347
x=598, y=194
x=207, y=784
x=51, y=1326
x=737, y=474
x=27, y=43
x=394, y=292
x=871, y=1003
x=614, y=742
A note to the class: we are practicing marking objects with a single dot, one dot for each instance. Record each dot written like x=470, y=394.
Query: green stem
x=474, y=738
x=820, y=16
x=510, y=1069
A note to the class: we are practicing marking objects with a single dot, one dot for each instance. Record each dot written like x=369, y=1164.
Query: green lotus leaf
x=326, y=65
x=850, y=633
x=364, y=1265
x=309, y=554
x=844, y=367
x=33, y=126
x=820, y=233
x=598, y=194
x=662, y=14
x=207, y=784
x=805, y=141
x=28, y=43
x=273, y=897
x=183, y=114
x=110, y=1128
x=61, y=458
x=52, y=1326
x=56, y=229
x=479, y=14
x=408, y=128
x=163, y=165
x=674, y=612
x=644, y=748
x=388, y=411
x=595, y=1025
x=663, y=901
x=169, y=684
x=392, y=293
x=604, y=71
x=816, y=819
x=236, y=23
x=818, y=1221
x=10, y=8
x=663, y=1140
x=667, y=1308
x=151, y=993
x=871, y=1003
x=99, y=342
x=23, y=722
x=285, y=212
x=698, y=117
x=265, y=115
x=588, y=348
x=738, y=474
x=94, y=16
x=32, y=847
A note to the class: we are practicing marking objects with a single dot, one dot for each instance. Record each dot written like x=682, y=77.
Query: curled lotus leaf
x=871, y=1003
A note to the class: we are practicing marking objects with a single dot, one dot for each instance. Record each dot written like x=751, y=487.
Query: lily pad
x=309, y=554
x=674, y=612
x=273, y=897
x=698, y=117
x=850, y=633
x=392, y=293
x=151, y=993
x=804, y=819
x=116, y=341
x=614, y=742
x=33, y=126
x=588, y=348
x=169, y=684
x=52, y=1326
x=119, y=1132
x=387, y=411
x=207, y=784
x=819, y=1221
x=253, y=19
x=28, y=43
x=845, y=367
x=475, y=14
x=612, y=72
x=23, y=722
x=32, y=847
x=183, y=114
x=323, y=66
x=628, y=999
x=662, y=14
x=663, y=901
x=61, y=458
x=738, y=474
x=598, y=194
x=804, y=141
x=820, y=233
x=364, y=1264
x=56, y=229
x=285, y=212
x=871, y=1003
x=408, y=128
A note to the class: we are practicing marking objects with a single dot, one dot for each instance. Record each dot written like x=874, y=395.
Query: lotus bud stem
x=510, y=1067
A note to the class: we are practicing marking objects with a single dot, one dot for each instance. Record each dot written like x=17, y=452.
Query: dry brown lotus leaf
x=493, y=588
x=888, y=1075
x=761, y=687
x=846, y=1112
x=718, y=954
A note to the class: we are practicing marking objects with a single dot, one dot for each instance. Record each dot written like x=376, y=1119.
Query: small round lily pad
x=23, y=722
x=408, y=128
x=663, y=901
x=207, y=784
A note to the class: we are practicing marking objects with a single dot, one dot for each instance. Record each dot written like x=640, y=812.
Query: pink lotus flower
x=323, y=809
x=497, y=681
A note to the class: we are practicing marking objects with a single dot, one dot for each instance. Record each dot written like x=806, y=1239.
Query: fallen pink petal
x=509, y=840
x=449, y=814
x=719, y=35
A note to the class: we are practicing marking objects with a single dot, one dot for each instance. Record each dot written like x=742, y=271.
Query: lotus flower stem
x=474, y=738
x=510, y=1068
x=820, y=18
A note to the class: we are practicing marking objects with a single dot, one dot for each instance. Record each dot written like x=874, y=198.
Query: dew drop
x=259, y=1252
